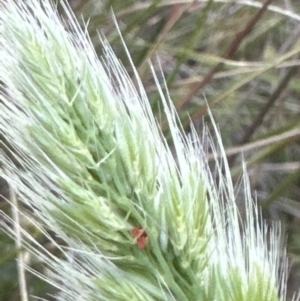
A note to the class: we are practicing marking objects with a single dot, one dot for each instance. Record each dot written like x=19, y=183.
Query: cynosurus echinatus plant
x=87, y=159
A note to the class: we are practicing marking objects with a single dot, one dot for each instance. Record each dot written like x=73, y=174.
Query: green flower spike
x=138, y=220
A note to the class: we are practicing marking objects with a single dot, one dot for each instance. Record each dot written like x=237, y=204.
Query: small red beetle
x=140, y=235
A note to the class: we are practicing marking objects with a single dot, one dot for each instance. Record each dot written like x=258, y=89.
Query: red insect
x=140, y=235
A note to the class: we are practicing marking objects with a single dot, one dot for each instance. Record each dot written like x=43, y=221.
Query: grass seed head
x=93, y=165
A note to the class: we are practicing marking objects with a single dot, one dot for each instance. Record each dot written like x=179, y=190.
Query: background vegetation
x=242, y=57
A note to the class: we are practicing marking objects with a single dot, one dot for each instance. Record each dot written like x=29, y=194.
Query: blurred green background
x=240, y=57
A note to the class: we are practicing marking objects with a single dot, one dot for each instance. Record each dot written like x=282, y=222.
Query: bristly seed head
x=94, y=163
